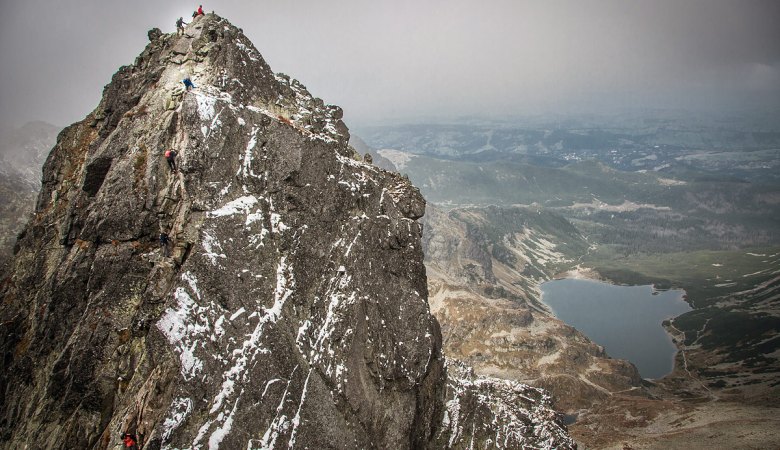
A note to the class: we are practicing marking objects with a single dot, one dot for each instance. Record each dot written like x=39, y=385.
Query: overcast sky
x=405, y=59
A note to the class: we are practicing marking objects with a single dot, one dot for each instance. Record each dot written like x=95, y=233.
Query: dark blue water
x=625, y=320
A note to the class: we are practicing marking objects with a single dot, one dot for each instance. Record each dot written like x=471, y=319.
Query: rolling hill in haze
x=662, y=201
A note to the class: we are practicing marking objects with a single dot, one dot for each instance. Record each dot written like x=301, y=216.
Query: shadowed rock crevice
x=96, y=174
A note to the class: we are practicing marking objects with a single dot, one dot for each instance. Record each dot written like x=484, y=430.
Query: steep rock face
x=486, y=412
x=292, y=310
x=295, y=293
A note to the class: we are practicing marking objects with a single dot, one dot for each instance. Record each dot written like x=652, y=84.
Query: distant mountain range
x=650, y=187
x=671, y=202
x=22, y=153
x=661, y=144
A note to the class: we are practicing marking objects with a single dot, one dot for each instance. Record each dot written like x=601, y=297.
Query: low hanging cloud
x=406, y=59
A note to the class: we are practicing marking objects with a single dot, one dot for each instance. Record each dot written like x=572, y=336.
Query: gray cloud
x=407, y=58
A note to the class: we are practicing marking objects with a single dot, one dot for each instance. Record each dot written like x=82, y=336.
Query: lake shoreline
x=627, y=320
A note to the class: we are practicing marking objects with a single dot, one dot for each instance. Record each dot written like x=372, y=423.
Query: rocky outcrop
x=376, y=159
x=486, y=412
x=292, y=310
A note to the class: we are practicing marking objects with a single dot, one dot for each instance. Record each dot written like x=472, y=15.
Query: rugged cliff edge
x=292, y=311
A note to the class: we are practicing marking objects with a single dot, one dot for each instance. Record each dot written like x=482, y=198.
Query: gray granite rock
x=292, y=311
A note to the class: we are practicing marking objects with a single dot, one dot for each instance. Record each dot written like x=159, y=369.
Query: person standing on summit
x=180, y=26
x=200, y=10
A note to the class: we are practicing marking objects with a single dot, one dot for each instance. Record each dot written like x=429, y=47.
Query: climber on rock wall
x=188, y=83
x=164, y=240
x=170, y=156
x=130, y=441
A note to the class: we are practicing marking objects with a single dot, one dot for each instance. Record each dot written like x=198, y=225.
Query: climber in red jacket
x=198, y=12
x=130, y=441
x=170, y=156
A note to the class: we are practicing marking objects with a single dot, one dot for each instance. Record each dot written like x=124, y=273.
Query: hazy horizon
x=403, y=61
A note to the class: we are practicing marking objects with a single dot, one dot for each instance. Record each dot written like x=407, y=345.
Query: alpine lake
x=625, y=320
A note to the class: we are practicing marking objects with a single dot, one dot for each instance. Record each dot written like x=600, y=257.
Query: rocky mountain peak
x=224, y=65
x=289, y=308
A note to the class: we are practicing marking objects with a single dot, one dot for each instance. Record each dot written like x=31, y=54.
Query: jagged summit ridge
x=293, y=309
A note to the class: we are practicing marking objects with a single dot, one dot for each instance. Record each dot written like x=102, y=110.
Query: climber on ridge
x=180, y=26
x=130, y=441
x=200, y=10
x=170, y=156
x=164, y=240
x=188, y=83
